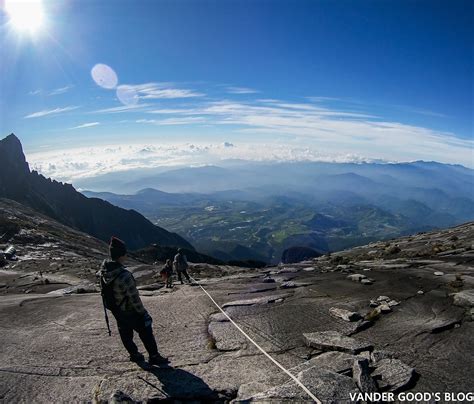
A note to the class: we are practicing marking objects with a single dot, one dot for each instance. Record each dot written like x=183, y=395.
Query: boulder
x=356, y=277
x=438, y=273
x=395, y=375
x=361, y=375
x=256, y=300
x=346, y=315
x=464, y=298
x=367, y=281
x=335, y=341
x=385, y=308
x=288, y=285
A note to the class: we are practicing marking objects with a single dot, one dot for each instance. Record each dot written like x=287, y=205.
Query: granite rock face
x=55, y=346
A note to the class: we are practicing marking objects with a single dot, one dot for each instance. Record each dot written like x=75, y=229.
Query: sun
x=25, y=15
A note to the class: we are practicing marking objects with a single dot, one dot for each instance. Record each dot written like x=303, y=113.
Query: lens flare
x=104, y=76
x=25, y=15
x=127, y=95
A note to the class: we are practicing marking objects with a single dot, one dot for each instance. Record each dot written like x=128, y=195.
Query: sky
x=101, y=86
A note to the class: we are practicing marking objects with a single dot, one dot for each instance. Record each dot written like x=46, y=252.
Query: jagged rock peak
x=11, y=152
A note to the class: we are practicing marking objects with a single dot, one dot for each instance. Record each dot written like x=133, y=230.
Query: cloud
x=330, y=129
x=173, y=121
x=73, y=164
x=56, y=91
x=54, y=111
x=241, y=90
x=122, y=108
x=162, y=91
x=61, y=90
x=86, y=125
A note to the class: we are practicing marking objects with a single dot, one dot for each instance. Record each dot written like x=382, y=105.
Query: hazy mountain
x=64, y=204
x=257, y=210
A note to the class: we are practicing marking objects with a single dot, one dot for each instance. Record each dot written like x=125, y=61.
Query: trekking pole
x=106, y=317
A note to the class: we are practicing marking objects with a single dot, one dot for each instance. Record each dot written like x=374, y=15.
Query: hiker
x=120, y=296
x=181, y=266
x=167, y=273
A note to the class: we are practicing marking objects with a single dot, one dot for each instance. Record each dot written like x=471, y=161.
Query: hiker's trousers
x=185, y=273
x=130, y=322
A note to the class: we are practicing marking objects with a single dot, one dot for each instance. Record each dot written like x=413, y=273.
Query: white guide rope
x=305, y=389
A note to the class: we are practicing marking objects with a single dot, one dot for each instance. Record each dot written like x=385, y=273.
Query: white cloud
x=241, y=90
x=86, y=125
x=333, y=130
x=61, y=90
x=122, y=108
x=47, y=112
x=73, y=164
x=162, y=91
x=173, y=121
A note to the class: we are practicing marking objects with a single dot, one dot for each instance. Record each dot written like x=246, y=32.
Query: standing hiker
x=167, y=273
x=180, y=264
x=120, y=296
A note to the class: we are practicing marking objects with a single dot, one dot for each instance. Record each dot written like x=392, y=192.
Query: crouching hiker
x=167, y=274
x=180, y=263
x=120, y=296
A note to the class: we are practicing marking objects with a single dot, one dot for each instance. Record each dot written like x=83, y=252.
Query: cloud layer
x=54, y=111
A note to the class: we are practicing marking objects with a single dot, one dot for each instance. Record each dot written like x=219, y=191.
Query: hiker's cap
x=117, y=248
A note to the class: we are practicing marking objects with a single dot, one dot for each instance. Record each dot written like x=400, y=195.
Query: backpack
x=107, y=292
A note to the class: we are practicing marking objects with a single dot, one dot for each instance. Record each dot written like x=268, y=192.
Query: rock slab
x=394, y=374
x=335, y=341
x=346, y=315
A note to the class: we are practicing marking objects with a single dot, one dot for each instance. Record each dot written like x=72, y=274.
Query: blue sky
x=390, y=80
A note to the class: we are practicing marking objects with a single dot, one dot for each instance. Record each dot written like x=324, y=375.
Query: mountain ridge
x=63, y=203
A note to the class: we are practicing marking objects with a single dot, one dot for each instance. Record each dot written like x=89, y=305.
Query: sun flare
x=25, y=15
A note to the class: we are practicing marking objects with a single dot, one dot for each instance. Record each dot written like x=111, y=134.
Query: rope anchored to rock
x=294, y=378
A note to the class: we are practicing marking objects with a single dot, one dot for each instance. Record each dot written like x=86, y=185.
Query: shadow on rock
x=176, y=384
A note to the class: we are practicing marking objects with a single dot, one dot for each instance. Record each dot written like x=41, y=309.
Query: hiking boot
x=137, y=358
x=157, y=359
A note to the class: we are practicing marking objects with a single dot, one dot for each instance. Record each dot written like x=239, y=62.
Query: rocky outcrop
x=56, y=345
x=64, y=204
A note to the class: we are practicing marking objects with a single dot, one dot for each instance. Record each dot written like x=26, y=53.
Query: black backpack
x=106, y=290
x=108, y=299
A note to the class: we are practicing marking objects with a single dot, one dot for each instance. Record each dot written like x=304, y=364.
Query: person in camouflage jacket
x=128, y=310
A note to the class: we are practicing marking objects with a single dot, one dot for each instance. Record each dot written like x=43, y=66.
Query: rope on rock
x=294, y=378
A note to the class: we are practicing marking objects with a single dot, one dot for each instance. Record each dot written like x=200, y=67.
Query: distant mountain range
x=248, y=210
x=64, y=204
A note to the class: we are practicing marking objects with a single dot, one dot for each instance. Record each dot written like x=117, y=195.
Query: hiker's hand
x=147, y=319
